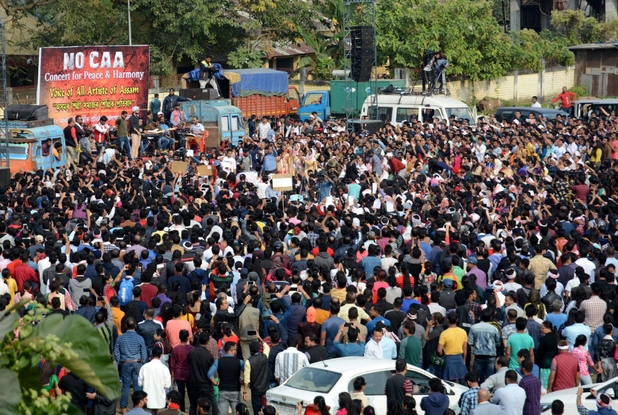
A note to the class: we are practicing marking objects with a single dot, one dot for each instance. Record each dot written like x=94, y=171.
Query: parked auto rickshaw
x=34, y=148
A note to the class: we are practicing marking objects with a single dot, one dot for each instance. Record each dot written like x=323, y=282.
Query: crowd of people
x=485, y=254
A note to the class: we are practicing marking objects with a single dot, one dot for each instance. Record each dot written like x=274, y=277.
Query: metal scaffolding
x=357, y=13
x=4, y=128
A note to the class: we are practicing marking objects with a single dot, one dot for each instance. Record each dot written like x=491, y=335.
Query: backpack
x=125, y=293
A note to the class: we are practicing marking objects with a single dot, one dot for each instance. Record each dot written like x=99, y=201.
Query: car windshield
x=314, y=380
x=459, y=113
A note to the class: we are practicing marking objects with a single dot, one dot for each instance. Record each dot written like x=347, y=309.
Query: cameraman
x=324, y=185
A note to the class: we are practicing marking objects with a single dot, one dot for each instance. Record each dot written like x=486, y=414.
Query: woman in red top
x=318, y=407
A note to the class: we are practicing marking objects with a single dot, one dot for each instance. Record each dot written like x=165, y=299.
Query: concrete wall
x=516, y=88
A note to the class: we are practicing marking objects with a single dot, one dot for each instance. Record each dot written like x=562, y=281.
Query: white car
x=569, y=397
x=331, y=377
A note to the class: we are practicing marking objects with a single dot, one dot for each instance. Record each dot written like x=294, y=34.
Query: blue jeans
x=485, y=367
x=435, y=370
x=123, y=142
x=165, y=143
x=129, y=373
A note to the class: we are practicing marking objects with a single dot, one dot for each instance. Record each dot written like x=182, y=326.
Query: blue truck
x=333, y=102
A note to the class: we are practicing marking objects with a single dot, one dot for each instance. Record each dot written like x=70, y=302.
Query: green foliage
x=58, y=24
x=581, y=29
x=466, y=31
x=72, y=342
x=243, y=57
x=580, y=90
x=177, y=29
x=529, y=47
x=322, y=64
x=470, y=36
x=501, y=11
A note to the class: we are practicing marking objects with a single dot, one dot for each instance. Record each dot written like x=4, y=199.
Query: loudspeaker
x=362, y=53
x=371, y=126
x=27, y=112
x=5, y=176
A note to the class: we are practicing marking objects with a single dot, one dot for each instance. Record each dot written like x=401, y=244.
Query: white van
x=397, y=108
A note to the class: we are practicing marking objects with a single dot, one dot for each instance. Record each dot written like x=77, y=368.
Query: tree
x=13, y=8
x=58, y=24
x=581, y=29
x=466, y=31
x=72, y=342
x=176, y=29
x=322, y=64
x=172, y=29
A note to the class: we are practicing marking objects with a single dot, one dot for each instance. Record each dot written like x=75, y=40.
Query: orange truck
x=263, y=92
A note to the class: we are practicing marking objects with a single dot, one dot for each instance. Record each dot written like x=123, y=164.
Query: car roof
x=605, y=101
x=541, y=110
x=354, y=364
x=398, y=99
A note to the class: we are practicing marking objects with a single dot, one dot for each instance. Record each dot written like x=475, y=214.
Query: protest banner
x=93, y=81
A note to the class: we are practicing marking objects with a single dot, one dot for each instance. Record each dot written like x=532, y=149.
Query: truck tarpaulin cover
x=260, y=81
x=92, y=81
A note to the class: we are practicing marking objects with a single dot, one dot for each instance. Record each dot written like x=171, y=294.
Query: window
x=420, y=381
x=314, y=380
x=235, y=123
x=382, y=113
x=376, y=382
x=312, y=99
x=430, y=113
x=225, y=123
x=463, y=113
x=506, y=115
x=18, y=151
x=407, y=114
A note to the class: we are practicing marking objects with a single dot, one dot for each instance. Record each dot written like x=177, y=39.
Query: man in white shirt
x=588, y=266
x=479, y=149
x=263, y=129
x=535, y=102
x=228, y=163
x=196, y=127
x=154, y=378
x=572, y=147
x=512, y=397
x=289, y=361
x=380, y=346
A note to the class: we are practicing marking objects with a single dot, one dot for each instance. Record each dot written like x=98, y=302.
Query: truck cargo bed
x=261, y=105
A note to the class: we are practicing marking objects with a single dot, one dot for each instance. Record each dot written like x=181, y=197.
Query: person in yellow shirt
x=340, y=291
x=320, y=315
x=117, y=313
x=453, y=344
x=10, y=282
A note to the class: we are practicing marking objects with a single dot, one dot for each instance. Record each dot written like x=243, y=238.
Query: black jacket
x=147, y=329
x=200, y=360
x=259, y=373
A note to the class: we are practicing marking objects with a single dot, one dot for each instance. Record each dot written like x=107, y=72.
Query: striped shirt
x=469, y=400
x=130, y=346
x=289, y=362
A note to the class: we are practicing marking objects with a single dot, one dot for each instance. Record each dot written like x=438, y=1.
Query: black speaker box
x=26, y=112
x=362, y=53
x=5, y=176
